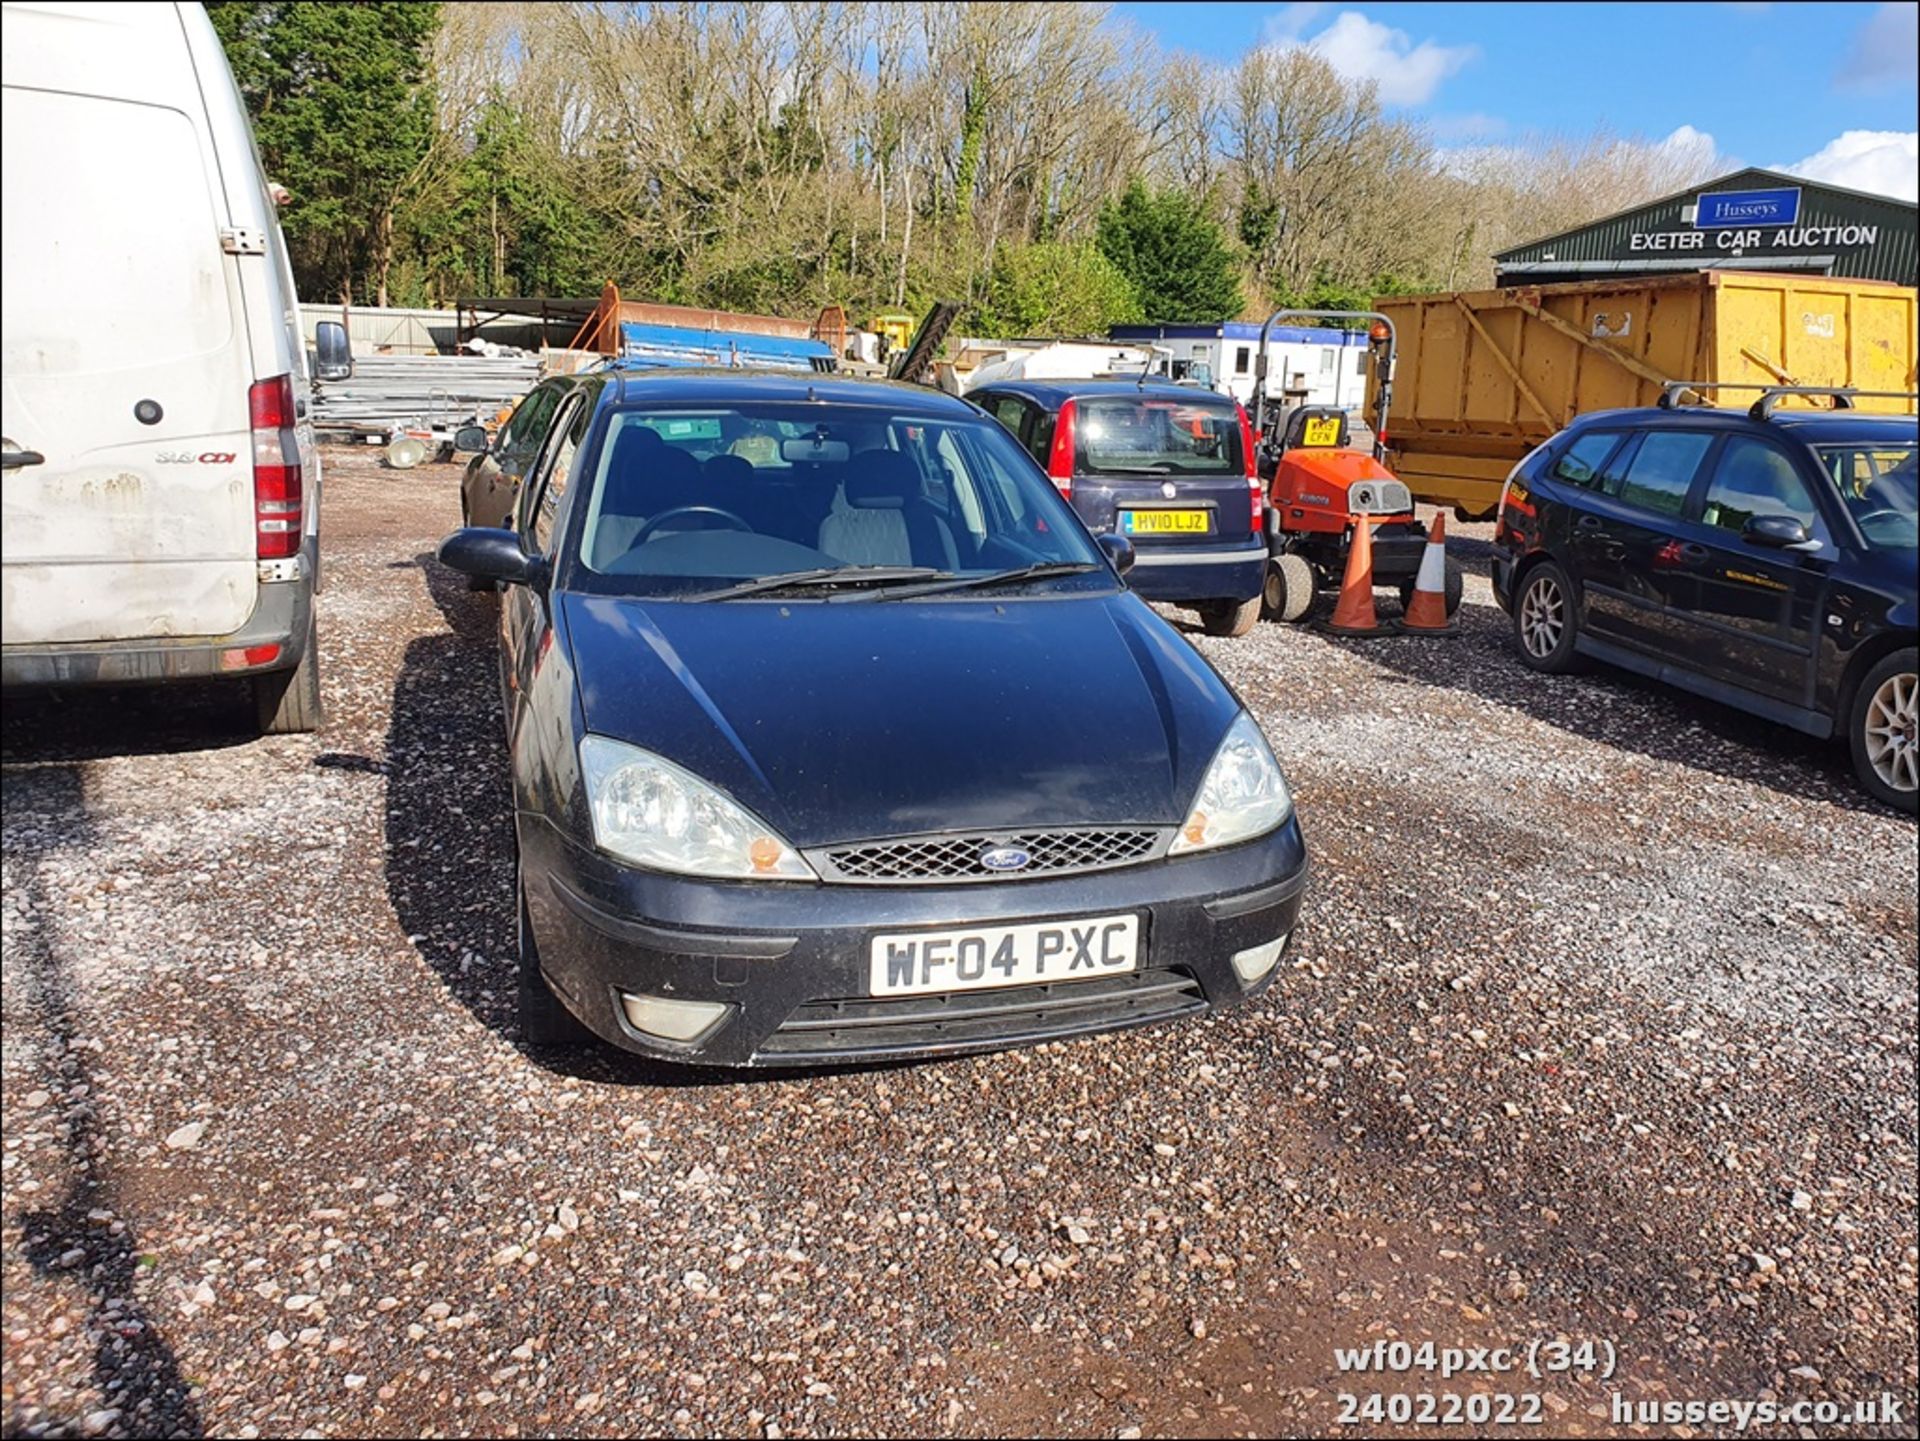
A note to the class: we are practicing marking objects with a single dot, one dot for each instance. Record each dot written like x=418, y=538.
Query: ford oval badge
x=1004, y=858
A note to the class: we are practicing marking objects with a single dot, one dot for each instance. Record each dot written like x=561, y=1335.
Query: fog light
x=1254, y=962
x=670, y=1019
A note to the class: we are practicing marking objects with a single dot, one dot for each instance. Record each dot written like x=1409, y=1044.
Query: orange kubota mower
x=1316, y=484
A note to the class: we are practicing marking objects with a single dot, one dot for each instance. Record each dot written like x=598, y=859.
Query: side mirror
x=470, y=440
x=1776, y=532
x=488, y=554
x=1119, y=550
x=333, y=351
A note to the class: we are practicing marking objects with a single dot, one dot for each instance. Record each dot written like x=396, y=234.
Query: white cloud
x=1363, y=49
x=1694, y=147
x=1469, y=125
x=1886, y=162
x=1287, y=22
x=1886, y=51
x=1686, y=153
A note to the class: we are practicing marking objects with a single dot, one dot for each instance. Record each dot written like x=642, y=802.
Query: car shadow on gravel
x=1618, y=709
x=450, y=845
x=84, y=1238
x=93, y=723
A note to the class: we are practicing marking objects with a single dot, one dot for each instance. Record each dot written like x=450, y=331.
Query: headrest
x=881, y=480
x=646, y=478
x=731, y=471
x=634, y=441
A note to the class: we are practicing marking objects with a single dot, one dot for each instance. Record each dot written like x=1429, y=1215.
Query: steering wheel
x=1884, y=513
x=648, y=529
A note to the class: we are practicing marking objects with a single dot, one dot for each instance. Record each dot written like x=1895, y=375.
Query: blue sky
x=1828, y=88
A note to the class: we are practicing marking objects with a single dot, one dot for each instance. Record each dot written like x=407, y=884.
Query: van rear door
x=126, y=359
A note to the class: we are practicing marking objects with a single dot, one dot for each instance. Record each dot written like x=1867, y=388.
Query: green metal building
x=1750, y=220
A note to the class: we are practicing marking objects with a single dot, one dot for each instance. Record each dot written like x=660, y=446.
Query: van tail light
x=277, y=479
x=1254, y=493
x=1060, y=453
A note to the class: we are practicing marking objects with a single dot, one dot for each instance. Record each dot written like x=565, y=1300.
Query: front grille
x=1008, y=1015
x=958, y=858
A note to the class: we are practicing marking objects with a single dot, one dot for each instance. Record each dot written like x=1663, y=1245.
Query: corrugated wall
x=1895, y=256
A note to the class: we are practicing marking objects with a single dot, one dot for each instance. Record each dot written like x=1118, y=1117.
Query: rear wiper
x=1040, y=571
x=821, y=576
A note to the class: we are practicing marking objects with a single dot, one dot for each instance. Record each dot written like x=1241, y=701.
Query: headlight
x=1244, y=795
x=649, y=811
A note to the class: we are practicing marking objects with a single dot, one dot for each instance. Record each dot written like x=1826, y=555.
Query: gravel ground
x=1601, y=1025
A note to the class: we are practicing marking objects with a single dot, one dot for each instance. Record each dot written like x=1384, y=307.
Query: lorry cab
x=160, y=497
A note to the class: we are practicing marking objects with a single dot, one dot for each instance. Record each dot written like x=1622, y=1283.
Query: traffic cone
x=1353, y=615
x=1426, y=612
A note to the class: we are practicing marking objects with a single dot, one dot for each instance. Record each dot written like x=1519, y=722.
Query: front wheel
x=1882, y=731
x=474, y=582
x=1291, y=589
x=544, y=1021
x=1544, y=625
x=1230, y=618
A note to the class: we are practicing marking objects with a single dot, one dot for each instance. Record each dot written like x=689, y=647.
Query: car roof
x=720, y=385
x=1813, y=427
x=1054, y=393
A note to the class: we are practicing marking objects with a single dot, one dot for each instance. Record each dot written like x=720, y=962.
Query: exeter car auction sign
x=1741, y=208
x=1742, y=220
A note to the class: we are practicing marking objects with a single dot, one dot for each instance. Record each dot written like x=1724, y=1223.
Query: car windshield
x=1157, y=435
x=1878, y=483
x=745, y=499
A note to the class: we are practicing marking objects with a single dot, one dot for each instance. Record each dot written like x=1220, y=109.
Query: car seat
x=882, y=517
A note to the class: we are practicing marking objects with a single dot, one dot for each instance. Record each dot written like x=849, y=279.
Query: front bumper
x=792, y=962
x=1183, y=575
x=282, y=611
x=1503, y=567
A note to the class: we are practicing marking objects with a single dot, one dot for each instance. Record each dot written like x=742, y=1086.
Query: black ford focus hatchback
x=835, y=735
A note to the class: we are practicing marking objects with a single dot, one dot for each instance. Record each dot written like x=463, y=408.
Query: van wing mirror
x=333, y=351
x=1119, y=550
x=470, y=440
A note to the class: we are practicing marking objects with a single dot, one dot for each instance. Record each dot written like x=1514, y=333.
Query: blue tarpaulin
x=685, y=345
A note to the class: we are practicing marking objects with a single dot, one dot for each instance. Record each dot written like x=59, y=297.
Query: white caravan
x=159, y=511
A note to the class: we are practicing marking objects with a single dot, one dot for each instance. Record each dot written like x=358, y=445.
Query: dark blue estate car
x=1761, y=558
x=836, y=735
x=1171, y=467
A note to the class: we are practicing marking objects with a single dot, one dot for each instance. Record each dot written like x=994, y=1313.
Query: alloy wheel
x=1893, y=750
x=1543, y=617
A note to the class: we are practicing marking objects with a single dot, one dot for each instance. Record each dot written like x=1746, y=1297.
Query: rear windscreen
x=1154, y=435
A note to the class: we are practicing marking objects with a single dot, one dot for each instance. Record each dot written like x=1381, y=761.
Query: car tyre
x=1544, y=620
x=1455, y=588
x=1881, y=731
x=287, y=702
x=1291, y=589
x=544, y=1020
x=1230, y=618
x=474, y=582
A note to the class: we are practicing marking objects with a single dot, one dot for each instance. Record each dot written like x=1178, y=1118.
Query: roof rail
x=1772, y=394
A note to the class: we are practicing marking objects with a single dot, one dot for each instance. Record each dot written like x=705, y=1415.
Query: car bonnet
x=856, y=721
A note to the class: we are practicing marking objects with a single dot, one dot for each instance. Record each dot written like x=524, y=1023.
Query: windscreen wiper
x=1040, y=571
x=822, y=577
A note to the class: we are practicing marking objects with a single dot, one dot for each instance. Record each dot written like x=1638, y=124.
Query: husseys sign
x=1735, y=221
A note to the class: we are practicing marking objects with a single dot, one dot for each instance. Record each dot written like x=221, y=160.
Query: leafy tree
x=1173, y=253
x=344, y=120
x=1055, y=289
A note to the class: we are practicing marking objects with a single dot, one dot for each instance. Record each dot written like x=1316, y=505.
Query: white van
x=159, y=511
